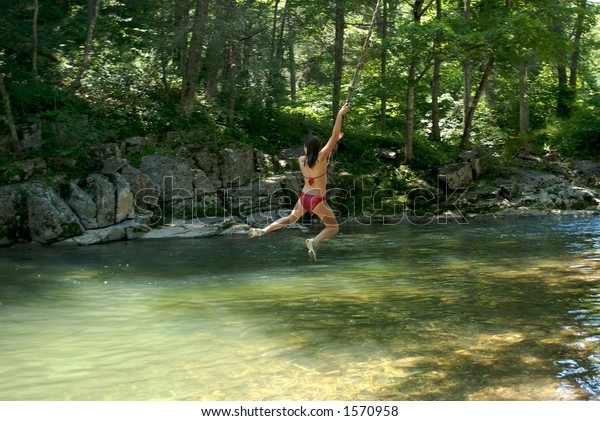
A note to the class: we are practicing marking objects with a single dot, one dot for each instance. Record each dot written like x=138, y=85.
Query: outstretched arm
x=336, y=133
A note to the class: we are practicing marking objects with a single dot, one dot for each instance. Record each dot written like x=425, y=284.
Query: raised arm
x=336, y=133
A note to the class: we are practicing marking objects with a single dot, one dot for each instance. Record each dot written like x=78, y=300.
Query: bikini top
x=311, y=180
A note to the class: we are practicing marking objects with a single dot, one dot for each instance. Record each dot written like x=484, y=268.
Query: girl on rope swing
x=313, y=165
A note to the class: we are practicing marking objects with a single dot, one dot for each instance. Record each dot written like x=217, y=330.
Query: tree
x=8, y=118
x=419, y=41
x=385, y=23
x=338, y=66
x=467, y=82
x=191, y=56
x=93, y=12
x=435, y=81
x=34, y=60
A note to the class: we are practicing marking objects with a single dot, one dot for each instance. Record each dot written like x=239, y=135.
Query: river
x=490, y=310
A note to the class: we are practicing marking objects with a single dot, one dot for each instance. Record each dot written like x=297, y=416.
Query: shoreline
x=230, y=226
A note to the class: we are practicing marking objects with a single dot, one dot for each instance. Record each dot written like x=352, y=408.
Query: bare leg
x=327, y=216
x=286, y=220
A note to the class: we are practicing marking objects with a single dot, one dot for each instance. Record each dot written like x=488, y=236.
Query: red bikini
x=310, y=201
x=311, y=180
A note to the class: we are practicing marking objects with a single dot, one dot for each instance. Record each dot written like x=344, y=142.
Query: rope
x=361, y=61
x=359, y=66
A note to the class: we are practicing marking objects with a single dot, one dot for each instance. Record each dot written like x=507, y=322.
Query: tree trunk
x=466, y=136
x=16, y=146
x=524, y=108
x=383, y=69
x=279, y=51
x=410, y=114
x=214, y=62
x=564, y=99
x=34, y=58
x=338, y=55
x=435, y=83
x=193, y=56
x=418, y=10
x=93, y=12
x=577, y=46
x=274, y=30
x=467, y=76
x=292, y=60
x=231, y=82
x=182, y=17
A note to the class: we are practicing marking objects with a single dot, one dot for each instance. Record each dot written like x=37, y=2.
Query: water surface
x=491, y=310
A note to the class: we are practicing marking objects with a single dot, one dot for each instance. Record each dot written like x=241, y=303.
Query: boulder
x=105, y=150
x=184, y=230
x=31, y=168
x=145, y=192
x=476, y=158
x=103, y=192
x=202, y=183
x=455, y=176
x=112, y=165
x=32, y=136
x=126, y=230
x=173, y=175
x=388, y=154
x=227, y=166
x=50, y=219
x=136, y=144
x=13, y=214
x=265, y=194
x=84, y=206
x=124, y=198
x=477, y=167
x=588, y=172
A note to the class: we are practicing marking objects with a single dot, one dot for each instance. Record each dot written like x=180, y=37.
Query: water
x=492, y=310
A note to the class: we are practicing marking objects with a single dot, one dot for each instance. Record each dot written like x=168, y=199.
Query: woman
x=313, y=165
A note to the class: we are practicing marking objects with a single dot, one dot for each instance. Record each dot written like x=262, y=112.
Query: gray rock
x=100, y=236
x=31, y=168
x=50, y=218
x=13, y=214
x=113, y=164
x=202, y=183
x=227, y=166
x=83, y=205
x=126, y=230
x=456, y=176
x=190, y=230
x=103, y=192
x=173, y=176
x=146, y=193
x=124, y=198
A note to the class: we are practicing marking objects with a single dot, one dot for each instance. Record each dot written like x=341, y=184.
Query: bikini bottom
x=310, y=201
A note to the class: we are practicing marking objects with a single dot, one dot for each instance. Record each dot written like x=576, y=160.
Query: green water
x=492, y=310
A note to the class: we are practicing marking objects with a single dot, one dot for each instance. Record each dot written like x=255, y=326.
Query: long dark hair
x=313, y=146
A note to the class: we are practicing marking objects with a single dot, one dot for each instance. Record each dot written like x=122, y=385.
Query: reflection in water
x=492, y=310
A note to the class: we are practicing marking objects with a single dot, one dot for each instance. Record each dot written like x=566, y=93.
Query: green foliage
x=578, y=136
x=133, y=83
x=429, y=155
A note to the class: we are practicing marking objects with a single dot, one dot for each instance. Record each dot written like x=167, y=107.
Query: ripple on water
x=485, y=311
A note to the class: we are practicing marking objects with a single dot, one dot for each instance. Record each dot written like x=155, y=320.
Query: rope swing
x=359, y=66
x=361, y=60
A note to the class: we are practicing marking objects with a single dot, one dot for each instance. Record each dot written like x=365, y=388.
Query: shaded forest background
x=440, y=76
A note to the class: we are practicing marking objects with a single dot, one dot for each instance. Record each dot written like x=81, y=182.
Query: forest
x=436, y=77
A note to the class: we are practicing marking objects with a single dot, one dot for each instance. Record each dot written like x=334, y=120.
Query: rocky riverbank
x=215, y=189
